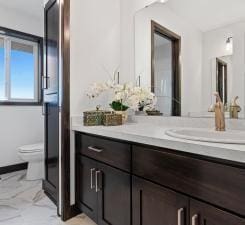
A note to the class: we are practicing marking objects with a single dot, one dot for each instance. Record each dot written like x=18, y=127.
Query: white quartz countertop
x=154, y=134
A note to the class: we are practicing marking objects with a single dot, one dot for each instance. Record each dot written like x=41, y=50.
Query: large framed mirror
x=185, y=56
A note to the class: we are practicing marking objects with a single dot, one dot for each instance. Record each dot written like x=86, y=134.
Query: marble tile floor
x=24, y=203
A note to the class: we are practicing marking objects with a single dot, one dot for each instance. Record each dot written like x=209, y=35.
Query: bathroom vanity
x=133, y=176
x=136, y=174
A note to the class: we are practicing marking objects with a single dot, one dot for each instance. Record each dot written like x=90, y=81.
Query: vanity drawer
x=114, y=153
x=216, y=183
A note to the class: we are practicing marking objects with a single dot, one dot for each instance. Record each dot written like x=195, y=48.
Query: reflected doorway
x=165, y=71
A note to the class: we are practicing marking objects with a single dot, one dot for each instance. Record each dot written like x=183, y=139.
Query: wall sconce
x=229, y=44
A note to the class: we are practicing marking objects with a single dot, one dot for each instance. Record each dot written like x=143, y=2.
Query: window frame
x=37, y=43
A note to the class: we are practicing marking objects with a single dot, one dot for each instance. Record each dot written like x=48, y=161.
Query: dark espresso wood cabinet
x=121, y=183
x=204, y=214
x=86, y=197
x=103, y=192
x=113, y=196
x=153, y=204
x=51, y=100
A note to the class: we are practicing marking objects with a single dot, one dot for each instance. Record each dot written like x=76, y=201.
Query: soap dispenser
x=234, y=108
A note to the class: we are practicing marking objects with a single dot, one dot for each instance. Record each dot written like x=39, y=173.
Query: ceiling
x=203, y=14
x=30, y=7
x=209, y=14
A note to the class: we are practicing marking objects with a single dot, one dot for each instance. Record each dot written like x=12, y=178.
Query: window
x=19, y=70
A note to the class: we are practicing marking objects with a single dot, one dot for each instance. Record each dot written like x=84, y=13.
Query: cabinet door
x=155, y=205
x=114, y=203
x=86, y=197
x=204, y=214
x=51, y=100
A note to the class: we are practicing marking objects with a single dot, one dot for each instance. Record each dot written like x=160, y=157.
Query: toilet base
x=35, y=171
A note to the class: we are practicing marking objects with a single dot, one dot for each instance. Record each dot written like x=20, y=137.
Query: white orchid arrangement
x=125, y=96
x=146, y=99
x=96, y=89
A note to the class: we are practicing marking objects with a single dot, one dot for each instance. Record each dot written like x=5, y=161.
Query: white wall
x=19, y=125
x=191, y=51
x=214, y=45
x=128, y=10
x=17, y=20
x=95, y=47
x=102, y=38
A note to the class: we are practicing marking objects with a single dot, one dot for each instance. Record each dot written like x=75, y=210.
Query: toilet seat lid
x=32, y=148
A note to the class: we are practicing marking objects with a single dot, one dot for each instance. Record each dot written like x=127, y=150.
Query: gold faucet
x=234, y=108
x=219, y=110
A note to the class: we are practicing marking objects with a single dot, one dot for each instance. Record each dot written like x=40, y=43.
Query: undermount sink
x=208, y=135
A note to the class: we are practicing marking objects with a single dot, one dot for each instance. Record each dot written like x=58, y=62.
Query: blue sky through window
x=22, y=75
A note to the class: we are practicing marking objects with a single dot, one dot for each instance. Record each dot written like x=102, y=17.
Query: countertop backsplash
x=182, y=122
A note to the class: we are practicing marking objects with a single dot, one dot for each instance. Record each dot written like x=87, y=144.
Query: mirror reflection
x=185, y=56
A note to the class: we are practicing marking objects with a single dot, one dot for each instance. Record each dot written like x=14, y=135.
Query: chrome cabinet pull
x=181, y=216
x=92, y=186
x=194, y=220
x=99, y=150
x=97, y=189
x=48, y=82
x=45, y=82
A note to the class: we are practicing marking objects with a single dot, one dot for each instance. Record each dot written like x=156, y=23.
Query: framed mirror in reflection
x=185, y=56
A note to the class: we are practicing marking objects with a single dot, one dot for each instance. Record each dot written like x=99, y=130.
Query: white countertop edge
x=200, y=148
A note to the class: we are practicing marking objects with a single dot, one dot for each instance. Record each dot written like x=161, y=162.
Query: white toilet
x=34, y=155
